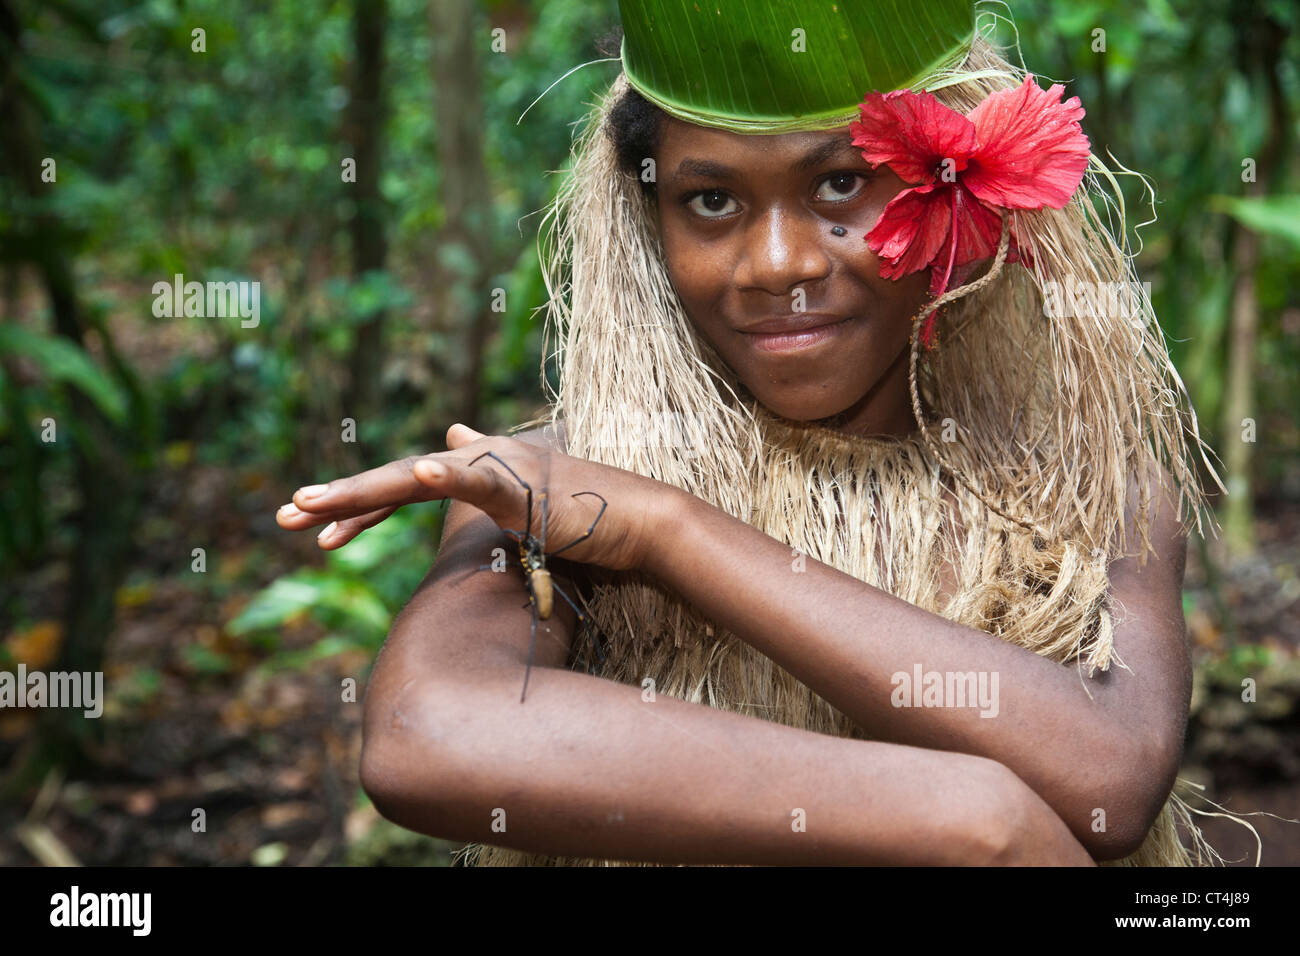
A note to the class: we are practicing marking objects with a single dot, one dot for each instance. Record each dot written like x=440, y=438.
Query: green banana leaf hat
x=780, y=66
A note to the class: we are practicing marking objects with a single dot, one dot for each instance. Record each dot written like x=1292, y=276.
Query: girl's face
x=746, y=228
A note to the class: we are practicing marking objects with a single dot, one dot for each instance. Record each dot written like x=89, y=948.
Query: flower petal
x=911, y=228
x=976, y=232
x=912, y=133
x=1032, y=152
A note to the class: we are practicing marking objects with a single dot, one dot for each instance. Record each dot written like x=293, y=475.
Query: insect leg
x=545, y=512
x=528, y=488
x=532, y=640
x=603, y=505
x=584, y=619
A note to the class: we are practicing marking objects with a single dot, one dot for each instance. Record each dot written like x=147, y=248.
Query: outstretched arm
x=1116, y=751
x=587, y=766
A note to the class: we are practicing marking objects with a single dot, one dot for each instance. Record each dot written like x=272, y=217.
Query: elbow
x=1118, y=814
x=1116, y=843
x=384, y=781
x=402, y=770
x=424, y=738
x=1109, y=814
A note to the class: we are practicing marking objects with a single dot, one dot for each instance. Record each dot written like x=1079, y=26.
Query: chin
x=802, y=409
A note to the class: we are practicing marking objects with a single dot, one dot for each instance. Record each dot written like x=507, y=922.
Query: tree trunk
x=1260, y=41
x=465, y=239
x=105, y=477
x=365, y=130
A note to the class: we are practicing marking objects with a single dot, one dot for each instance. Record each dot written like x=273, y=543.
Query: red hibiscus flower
x=1018, y=149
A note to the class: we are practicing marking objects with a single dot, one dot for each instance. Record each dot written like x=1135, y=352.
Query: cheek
x=865, y=264
x=910, y=292
x=699, y=271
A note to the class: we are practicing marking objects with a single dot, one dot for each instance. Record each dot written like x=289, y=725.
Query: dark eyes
x=839, y=186
x=716, y=203
x=711, y=203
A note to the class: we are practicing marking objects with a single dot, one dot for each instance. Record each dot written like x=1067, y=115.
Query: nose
x=782, y=248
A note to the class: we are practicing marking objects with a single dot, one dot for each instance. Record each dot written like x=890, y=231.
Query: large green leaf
x=1273, y=215
x=783, y=65
x=63, y=361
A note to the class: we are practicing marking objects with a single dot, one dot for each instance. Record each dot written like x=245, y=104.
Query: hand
x=635, y=506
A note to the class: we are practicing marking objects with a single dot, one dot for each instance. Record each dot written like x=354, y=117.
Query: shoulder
x=1152, y=517
x=550, y=436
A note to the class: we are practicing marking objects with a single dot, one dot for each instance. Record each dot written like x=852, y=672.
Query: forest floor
x=196, y=721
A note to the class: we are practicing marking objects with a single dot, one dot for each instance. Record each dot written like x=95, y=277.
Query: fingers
x=350, y=505
x=483, y=485
x=391, y=484
x=291, y=518
x=339, y=533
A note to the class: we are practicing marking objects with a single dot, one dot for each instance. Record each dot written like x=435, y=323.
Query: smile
x=798, y=339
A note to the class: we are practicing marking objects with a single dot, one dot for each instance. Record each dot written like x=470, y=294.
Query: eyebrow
x=810, y=160
x=831, y=149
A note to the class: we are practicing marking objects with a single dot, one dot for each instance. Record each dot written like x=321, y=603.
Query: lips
x=787, y=324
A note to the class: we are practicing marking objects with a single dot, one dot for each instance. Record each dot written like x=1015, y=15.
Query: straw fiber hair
x=1032, y=433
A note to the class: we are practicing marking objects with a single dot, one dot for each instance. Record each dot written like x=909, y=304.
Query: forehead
x=681, y=140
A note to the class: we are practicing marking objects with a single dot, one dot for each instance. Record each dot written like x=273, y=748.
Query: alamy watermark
x=75, y=908
x=647, y=428
x=208, y=300
x=78, y=689
x=946, y=689
x=1083, y=300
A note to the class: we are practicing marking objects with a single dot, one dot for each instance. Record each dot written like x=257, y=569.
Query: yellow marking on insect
x=543, y=594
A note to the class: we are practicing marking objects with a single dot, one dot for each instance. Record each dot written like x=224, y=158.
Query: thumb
x=459, y=434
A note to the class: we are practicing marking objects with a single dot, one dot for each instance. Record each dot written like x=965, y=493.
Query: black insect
x=542, y=588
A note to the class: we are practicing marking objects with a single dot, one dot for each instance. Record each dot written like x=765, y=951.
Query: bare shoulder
x=1151, y=485
x=1150, y=631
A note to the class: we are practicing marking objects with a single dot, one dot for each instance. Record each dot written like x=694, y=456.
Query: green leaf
x=301, y=659
x=784, y=65
x=205, y=660
x=64, y=361
x=391, y=539
x=1272, y=215
x=277, y=603
x=363, y=296
x=329, y=595
x=270, y=854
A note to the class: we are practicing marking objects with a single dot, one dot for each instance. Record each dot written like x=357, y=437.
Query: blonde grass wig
x=1032, y=430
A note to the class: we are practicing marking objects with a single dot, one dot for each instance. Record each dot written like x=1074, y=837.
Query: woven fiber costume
x=1033, y=431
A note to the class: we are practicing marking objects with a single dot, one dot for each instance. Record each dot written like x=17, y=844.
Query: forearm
x=846, y=640
x=588, y=768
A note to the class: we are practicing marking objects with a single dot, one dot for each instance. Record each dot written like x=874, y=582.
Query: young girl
x=884, y=558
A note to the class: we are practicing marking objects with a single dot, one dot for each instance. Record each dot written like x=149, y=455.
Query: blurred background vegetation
x=142, y=458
